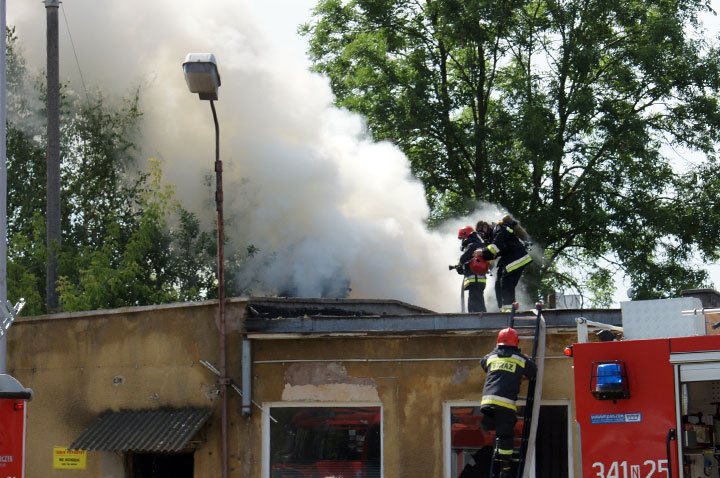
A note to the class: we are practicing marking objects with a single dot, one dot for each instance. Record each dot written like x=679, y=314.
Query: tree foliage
x=126, y=238
x=564, y=112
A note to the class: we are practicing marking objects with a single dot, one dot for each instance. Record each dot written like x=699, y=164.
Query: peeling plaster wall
x=324, y=382
x=412, y=392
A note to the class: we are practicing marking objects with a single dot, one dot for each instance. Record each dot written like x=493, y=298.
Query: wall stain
x=460, y=375
x=322, y=374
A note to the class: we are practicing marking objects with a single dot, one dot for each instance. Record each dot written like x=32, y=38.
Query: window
x=313, y=441
x=469, y=448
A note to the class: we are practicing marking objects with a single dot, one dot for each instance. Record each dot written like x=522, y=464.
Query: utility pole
x=52, y=219
x=3, y=179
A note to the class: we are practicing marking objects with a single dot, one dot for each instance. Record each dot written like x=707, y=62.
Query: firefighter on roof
x=472, y=269
x=505, y=366
x=508, y=248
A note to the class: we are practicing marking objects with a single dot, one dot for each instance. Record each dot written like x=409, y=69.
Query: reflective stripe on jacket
x=524, y=260
x=505, y=366
x=507, y=249
x=474, y=279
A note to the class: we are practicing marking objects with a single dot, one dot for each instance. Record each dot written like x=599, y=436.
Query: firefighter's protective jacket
x=509, y=251
x=505, y=367
x=469, y=245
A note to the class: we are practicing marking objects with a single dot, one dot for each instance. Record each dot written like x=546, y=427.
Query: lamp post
x=202, y=77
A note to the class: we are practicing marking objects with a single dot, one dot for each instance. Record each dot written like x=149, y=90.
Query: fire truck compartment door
x=697, y=367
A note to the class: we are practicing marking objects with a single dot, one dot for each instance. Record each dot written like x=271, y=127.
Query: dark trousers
x=505, y=284
x=502, y=420
x=476, y=299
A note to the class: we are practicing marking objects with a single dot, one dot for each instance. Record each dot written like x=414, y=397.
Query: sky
x=302, y=179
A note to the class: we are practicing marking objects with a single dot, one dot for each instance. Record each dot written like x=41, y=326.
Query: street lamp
x=202, y=77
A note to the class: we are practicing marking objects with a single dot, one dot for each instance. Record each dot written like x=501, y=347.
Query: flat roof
x=292, y=317
x=417, y=324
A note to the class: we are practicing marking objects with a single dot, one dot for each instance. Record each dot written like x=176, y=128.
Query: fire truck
x=648, y=406
x=13, y=397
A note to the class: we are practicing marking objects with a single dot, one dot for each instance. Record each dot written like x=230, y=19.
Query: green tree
x=562, y=112
x=27, y=253
x=155, y=265
x=126, y=239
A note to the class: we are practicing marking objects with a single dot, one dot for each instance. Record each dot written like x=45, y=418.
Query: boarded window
x=325, y=441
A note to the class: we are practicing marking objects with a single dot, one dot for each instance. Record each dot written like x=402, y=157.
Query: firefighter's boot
x=505, y=471
x=504, y=466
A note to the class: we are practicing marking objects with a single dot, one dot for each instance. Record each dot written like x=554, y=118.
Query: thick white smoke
x=302, y=179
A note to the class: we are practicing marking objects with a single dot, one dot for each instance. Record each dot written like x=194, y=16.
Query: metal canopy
x=161, y=430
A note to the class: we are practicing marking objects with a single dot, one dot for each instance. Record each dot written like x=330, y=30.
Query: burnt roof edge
x=422, y=323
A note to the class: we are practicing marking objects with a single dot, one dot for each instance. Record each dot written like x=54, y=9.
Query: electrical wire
x=77, y=62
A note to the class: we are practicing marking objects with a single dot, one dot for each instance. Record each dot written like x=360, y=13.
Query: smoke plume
x=303, y=181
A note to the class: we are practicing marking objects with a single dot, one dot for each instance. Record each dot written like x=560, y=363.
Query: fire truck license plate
x=623, y=469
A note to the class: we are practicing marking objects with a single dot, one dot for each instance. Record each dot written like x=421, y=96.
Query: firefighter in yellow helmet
x=505, y=367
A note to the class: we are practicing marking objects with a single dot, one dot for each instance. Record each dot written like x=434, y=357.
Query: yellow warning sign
x=64, y=459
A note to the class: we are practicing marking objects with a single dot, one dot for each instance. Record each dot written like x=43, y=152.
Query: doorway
x=700, y=428
x=161, y=465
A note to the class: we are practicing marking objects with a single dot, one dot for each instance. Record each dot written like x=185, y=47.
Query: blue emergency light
x=609, y=376
x=608, y=380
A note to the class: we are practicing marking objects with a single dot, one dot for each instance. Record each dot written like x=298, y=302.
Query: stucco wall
x=412, y=390
x=70, y=362
x=74, y=362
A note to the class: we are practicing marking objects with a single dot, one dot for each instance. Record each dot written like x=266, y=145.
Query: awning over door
x=160, y=430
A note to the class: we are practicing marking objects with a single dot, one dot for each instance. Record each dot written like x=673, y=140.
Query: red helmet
x=479, y=266
x=465, y=232
x=508, y=336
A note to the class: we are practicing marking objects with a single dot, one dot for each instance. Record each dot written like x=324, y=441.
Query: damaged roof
x=277, y=307
x=291, y=317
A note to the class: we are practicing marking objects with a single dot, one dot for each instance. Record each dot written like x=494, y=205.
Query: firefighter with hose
x=508, y=246
x=505, y=367
x=472, y=268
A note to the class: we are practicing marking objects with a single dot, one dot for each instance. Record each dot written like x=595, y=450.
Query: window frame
x=447, y=446
x=266, y=413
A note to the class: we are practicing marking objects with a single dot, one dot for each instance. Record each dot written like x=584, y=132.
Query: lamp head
x=201, y=75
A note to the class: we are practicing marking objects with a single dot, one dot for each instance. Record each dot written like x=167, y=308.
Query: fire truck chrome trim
x=686, y=357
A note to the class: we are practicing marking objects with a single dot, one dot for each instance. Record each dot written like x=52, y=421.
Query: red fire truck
x=12, y=427
x=649, y=408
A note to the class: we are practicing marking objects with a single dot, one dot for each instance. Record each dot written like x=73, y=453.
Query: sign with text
x=12, y=438
x=616, y=418
x=64, y=459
